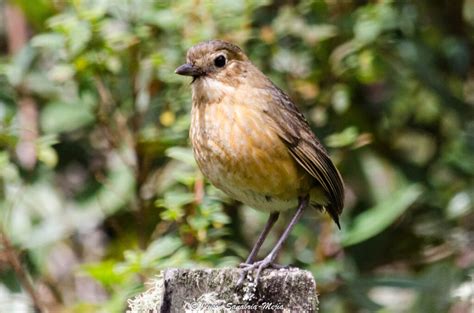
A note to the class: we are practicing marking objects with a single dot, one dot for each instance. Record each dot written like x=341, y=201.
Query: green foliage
x=374, y=220
x=104, y=192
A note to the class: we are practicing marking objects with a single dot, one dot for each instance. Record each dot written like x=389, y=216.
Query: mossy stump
x=216, y=290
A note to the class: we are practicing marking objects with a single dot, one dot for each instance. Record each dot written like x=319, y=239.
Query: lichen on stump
x=216, y=290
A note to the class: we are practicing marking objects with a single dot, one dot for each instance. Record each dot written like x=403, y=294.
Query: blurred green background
x=98, y=185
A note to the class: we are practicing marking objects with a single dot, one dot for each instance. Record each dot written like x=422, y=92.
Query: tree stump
x=216, y=290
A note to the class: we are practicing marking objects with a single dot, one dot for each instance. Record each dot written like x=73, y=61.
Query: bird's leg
x=261, y=238
x=270, y=258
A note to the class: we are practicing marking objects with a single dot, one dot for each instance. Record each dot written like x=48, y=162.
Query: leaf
x=174, y=199
x=372, y=20
x=39, y=83
x=77, y=32
x=47, y=155
x=459, y=205
x=375, y=220
x=382, y=177
x=22, y=62
x=341, y=98
x=161, y=248
x=345, y=138
x=181, y=154
x=172, y=214
x=61, y=73
x=51, y=41
x=198, y=222
x=60, y=117
x=104, y=272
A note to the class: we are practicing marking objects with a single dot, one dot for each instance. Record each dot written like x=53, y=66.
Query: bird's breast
x=240, y=153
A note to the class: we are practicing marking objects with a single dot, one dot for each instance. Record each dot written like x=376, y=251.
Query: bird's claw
x=244, y=265
x=259, y=266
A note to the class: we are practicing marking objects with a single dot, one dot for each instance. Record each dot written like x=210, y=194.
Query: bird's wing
x=303, y=145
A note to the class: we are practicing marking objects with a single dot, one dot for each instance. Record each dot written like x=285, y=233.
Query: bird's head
x=215, y=59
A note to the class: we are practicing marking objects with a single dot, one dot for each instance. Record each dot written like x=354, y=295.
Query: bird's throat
x=208, y=90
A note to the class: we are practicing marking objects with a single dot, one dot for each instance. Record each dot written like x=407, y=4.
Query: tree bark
x=216, y=290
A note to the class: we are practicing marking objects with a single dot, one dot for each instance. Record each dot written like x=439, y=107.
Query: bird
x=251, y=141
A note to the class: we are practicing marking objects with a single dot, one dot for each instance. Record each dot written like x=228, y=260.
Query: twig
x=105, y=106
x=17, y=33
x=12, y=257
x=139, y=165
x=142, y=162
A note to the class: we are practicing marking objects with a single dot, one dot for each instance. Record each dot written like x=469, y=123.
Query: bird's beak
x=188, y=70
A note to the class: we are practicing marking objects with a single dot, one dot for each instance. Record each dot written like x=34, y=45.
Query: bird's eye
x=219, y=61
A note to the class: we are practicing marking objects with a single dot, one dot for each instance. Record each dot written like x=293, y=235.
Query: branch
x=12, y=257
x=17, y=34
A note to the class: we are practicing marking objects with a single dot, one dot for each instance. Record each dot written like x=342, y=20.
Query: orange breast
x=237, y=151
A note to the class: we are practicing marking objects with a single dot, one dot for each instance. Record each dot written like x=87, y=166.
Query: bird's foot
x=259, y=266
x=244, y=265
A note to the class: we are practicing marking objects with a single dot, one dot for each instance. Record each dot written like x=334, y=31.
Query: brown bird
x=251, y=141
